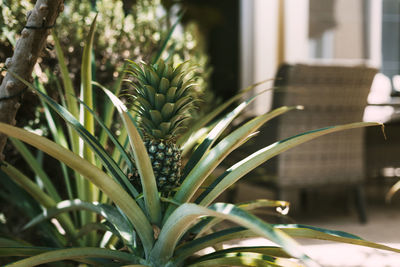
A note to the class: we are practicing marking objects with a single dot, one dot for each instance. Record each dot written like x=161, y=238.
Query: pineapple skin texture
x=163, y=100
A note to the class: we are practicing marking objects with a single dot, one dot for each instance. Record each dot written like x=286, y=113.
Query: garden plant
x=143, y=193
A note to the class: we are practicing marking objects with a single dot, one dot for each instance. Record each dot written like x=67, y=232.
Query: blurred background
x=238, y=43
x=248, y=41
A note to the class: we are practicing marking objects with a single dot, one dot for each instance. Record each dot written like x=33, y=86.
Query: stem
x=26, y=53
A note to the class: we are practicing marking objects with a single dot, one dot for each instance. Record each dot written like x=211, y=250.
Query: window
x=391, y=42
x=339, y=29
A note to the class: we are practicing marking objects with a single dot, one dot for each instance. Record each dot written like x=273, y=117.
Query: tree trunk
x=26, y=52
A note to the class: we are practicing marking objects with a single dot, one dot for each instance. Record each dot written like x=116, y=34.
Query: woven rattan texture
x=330, y=95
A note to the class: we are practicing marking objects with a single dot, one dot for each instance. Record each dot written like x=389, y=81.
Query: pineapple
x=163, y=100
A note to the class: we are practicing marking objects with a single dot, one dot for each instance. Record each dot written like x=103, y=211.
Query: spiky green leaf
x=179, y=222
x=109, y=213
x=94, y=174
x=243, y=167
x=164, y=85
x=167, y=111
x=78, y=254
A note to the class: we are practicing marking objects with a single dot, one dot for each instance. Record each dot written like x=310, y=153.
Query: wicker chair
x=331, y=95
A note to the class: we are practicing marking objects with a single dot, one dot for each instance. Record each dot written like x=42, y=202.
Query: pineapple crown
x=163, y=97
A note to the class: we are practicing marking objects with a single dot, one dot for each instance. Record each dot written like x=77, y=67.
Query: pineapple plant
x=127, y=229
x=163, y=101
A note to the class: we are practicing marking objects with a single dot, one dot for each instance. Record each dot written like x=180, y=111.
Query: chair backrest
x=331, y=95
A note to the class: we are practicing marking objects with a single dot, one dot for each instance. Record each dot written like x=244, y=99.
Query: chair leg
x=361, y=203
x=304, y=200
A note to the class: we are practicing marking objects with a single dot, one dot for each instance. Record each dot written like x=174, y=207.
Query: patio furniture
x=331, y=95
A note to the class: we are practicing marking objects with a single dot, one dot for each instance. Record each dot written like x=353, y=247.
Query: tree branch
x=26, y=52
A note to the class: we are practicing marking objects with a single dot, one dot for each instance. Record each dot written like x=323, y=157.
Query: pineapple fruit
x=163, y=100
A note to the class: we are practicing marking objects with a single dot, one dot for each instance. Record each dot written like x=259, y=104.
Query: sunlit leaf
x=115, y=192
x=36, y=192
x=204, y=121
x=184, y=216
x=107, y=161
x=77, y=254
x=217, y=154
x=142, y=160
x=237, y=171
x=202, y=149
x=110, y=213
x=244, y=259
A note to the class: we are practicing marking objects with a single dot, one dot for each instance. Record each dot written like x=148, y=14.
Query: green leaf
x=160, y=101
x=37, y=169
x=177, y=81
x=263, y=203
x=67, y=82
x=77, y=254
x=90, y=227
x=171, y=94
x=293, y=230
x=164, y=85
x=109, y=213
x=167, y=111
x=69, y=94
x=86, y=78
x=156, y=116
x=185, y=88
x=143, y=102
x=265, y=250
x=108, y=112
x=151, y=92
x=115, y=192
x=142, y=160
x=202, y=122
x=5, y=242
x=205, y=225
x=58, y=135
x=184, y=216
x=34, y=190
x=149, y=124
x=323, y=230
x=117, y=144
x=164, y=127
x=90, y=192
x=107, y=161
x=22, y=251
x=305, y=231
x=237, y=171
x=188, y=249
x=205, y=165
x=234, y=140
x=160, y=67
x=123, y=139
x=180, y=70
x=204, y=147
x=151, y=76
x=22, y=202
x=157, y=133
x=243, y=259
x=182, y=103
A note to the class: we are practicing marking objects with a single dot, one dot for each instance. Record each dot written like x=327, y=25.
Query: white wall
x=260, y=40
x=261, y=43
x=296, y=31
x=258, y=46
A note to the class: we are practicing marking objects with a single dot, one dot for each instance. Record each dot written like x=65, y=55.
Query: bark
x=26, y=52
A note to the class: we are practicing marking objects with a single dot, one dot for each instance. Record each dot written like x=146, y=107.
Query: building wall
x=349, y=30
